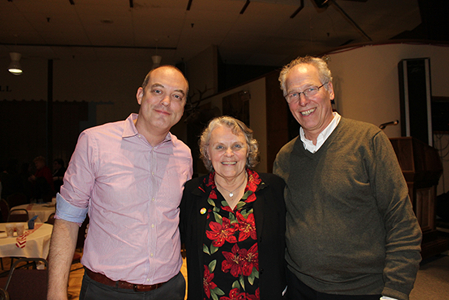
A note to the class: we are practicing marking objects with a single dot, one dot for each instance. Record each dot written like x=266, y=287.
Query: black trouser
x=174, y=289
x=297, y=290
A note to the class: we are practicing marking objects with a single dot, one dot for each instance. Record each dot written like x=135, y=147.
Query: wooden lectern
x=422, y=169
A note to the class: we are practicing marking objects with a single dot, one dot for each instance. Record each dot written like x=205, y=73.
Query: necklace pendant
x=231, y=194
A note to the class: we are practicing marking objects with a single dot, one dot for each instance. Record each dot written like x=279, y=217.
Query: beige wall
x=367, y=87
x=257, y=114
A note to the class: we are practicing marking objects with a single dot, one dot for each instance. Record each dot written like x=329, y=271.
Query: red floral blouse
x=230, y=254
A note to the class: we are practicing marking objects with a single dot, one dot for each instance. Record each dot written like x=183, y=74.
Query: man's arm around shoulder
x=62, y=248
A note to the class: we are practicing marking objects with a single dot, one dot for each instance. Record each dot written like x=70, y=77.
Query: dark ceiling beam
x=189, y=4
x=131, y=3
x=72, y=2
x=349, y=19
x=90, y=46
x=298, y=10
x=244, y=7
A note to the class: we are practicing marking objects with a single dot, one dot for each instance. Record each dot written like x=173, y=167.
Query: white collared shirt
x=322, y=137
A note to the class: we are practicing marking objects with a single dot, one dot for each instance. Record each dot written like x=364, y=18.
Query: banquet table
x=41, y=210
x=33, y=243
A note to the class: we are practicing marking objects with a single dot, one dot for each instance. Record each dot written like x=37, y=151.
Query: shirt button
x=151, y=254
x=152, y=225
x=148, y=279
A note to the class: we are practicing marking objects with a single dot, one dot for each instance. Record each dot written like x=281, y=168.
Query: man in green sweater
x=351, y=231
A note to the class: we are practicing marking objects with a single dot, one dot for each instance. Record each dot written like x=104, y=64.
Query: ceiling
x=256, y=32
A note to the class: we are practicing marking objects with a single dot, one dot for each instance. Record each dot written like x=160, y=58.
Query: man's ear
x=139, y=95
x=330, y=89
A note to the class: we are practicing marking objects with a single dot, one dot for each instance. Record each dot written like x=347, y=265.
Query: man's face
x=312, y=113
x=162, y=102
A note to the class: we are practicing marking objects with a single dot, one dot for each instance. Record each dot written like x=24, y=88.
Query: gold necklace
x=231, y=193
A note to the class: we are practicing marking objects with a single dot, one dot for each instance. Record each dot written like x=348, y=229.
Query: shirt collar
x=322, y=137
x=131, y=130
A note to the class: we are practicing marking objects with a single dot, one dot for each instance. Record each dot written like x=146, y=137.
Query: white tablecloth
x=43, y=211
x=37, y=243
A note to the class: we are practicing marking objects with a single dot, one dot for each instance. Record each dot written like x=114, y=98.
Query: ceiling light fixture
x=156, y=61
x=156, y=58
x=14, y=66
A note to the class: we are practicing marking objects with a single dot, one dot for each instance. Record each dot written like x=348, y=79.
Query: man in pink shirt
x=129, y=177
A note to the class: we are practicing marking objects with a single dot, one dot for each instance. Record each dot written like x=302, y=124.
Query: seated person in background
x=58, y=173
x=233, y=220
x=42, y=180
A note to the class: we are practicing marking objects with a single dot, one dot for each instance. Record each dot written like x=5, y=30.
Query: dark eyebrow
x=157, y=85
x=161, y=86
x=181, y=91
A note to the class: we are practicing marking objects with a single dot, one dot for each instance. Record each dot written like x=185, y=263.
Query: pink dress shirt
x=132, y=192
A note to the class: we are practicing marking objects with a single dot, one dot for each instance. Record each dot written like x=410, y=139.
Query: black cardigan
x=269, y=213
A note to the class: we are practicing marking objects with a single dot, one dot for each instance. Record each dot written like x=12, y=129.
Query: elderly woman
x=233, y=220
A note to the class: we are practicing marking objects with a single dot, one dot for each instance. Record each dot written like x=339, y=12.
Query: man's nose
x=166, y=100
x=303, y=99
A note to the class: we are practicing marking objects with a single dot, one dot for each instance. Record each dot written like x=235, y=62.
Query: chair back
x=26, y=283
x=4, y=207
x=4, y=295
x=51, y=219
x=18, y=215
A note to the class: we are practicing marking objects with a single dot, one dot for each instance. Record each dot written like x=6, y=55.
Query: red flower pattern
x=256, y=296
x=251, y=260
x=207, y=281
x=235, y=234
x=234, y=294
x=221, y=232
x=247, y=227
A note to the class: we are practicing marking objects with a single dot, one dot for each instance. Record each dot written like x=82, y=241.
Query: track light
x=14, y=66
x=156, y=61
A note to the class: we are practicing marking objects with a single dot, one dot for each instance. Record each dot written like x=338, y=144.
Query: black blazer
x=269, y=214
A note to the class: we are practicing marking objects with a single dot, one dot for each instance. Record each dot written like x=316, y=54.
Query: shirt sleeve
x=403, y=233
x=69, y=212
x=79, y=179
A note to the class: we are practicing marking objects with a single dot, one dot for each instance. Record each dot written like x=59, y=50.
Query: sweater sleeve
x=403, y=233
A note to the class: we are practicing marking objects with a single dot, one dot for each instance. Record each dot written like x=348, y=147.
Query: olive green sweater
x=350, y=224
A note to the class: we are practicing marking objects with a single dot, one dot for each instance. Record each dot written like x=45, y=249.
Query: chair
x=26, y=283
x=18, y=215
x=51, y=219
x=4, y=295
x=4, y=207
